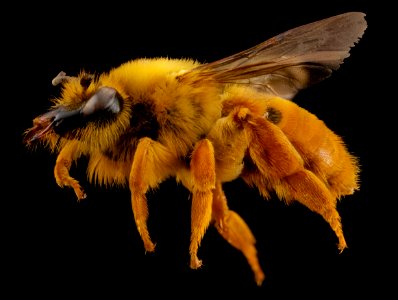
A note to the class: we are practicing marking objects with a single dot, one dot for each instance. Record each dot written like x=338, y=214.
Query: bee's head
x=83, y=112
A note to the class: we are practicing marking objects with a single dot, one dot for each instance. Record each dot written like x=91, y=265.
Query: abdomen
x=323, y=151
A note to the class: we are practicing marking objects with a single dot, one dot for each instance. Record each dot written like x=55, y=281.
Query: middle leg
x=152, y=164
x=233, y=229
x=203, y=178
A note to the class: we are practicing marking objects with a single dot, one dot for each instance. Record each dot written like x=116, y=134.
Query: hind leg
x=309, y=190
x=232, y=228
x=279, y=163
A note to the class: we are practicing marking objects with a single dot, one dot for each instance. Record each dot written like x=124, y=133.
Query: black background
x=60, y=247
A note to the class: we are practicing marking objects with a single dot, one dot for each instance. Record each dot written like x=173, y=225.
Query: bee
x=148, y=120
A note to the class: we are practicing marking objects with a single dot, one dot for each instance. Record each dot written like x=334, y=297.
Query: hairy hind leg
x=309, y=190
x=280, y=163
x=232, y=228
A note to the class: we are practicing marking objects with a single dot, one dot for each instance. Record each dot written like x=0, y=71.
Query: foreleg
x=63, y=164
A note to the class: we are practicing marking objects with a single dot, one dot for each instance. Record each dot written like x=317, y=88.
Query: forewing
x=293, y=60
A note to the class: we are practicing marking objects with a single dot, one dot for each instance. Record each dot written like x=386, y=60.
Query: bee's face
x=84, y=107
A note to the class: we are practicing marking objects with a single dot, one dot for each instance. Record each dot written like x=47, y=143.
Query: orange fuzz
x=206, y=124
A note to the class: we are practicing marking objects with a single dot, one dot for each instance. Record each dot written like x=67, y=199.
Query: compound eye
x=105, y=99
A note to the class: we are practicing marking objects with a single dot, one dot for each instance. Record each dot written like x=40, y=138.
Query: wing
x=293, y=60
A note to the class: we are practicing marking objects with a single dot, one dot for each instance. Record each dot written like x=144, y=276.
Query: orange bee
x=206, y=124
